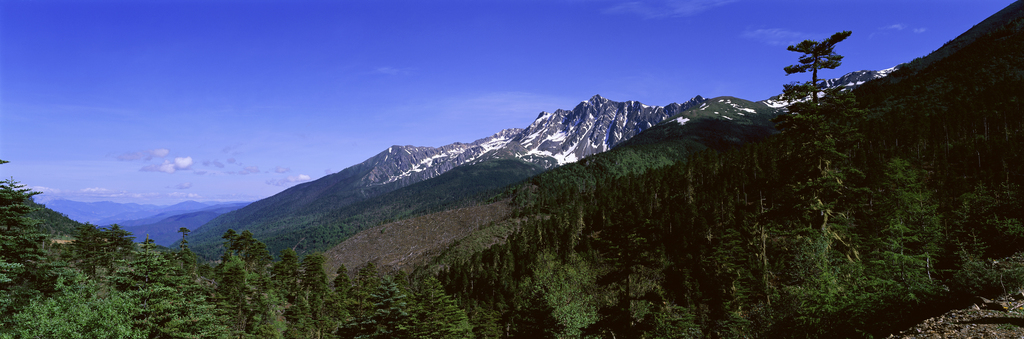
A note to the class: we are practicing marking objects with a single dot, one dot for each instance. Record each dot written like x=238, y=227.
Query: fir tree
x=389, y=318
x=22, y=269
x=817, y=56
x=437, y=315
x=314, y=284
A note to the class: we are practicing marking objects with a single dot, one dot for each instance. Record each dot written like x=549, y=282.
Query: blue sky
x=165, y=101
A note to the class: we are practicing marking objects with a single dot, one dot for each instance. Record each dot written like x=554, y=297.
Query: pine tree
x=367, y=282
x=817, y=56
x=172, y=305
x=339, y=302
x=233, y=290
x=22, y=269
x=824, y=183
x=314, y=284
x=87, y=248
x=286, y=275
x=437, y=315
x=912, y=226
x=118, y=244
x=389, y=318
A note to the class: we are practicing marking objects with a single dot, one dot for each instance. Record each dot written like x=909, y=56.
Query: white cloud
x=920, y=30
x=666, y=8
x=280, y=169
x=166, y=167
x=183, y=163
x=289, y=180
x=144, y=155
x=898, y=27
x=776, y=36
x=170, y=167
x=183, y=186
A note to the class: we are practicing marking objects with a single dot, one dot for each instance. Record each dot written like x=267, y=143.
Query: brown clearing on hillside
x=402, y=245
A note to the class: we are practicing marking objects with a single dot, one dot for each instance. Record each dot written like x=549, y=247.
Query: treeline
x=103, y=285
x=868, y=212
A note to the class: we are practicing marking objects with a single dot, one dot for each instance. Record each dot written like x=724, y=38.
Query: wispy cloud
x=898, y=27
x=280, y=169
x=214, y=163
x=183, y=186
x=776, y=36
x=289, y=180
x=666, y=8
x=100, y=193
x=391, y=70
x=512, y=107
x=168, y=166
x=249, y=170
x=233, y=150
x=144, y=155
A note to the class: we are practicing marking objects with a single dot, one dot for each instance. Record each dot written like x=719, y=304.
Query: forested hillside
x=330, y=220
x=869, y=210
x=52, y=222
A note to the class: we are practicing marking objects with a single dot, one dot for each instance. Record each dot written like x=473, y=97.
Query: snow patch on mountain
x=849, y=81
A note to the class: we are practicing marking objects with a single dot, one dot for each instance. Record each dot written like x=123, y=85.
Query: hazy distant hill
x=163, y=228
x=104, y=213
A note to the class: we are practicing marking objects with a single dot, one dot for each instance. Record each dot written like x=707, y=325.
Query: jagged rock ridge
x=553, y=139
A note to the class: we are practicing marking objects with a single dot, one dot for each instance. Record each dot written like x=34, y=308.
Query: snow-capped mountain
x=560, y=137
x=553, y=139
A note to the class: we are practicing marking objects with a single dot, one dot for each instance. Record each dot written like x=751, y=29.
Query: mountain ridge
x=554, y=139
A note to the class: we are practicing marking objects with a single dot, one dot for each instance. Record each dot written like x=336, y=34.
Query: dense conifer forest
x=870, y=210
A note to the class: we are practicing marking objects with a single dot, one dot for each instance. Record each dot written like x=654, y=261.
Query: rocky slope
x=1000, y=318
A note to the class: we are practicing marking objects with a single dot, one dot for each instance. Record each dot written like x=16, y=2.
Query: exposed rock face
x=410, y=164
x=594, y=126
